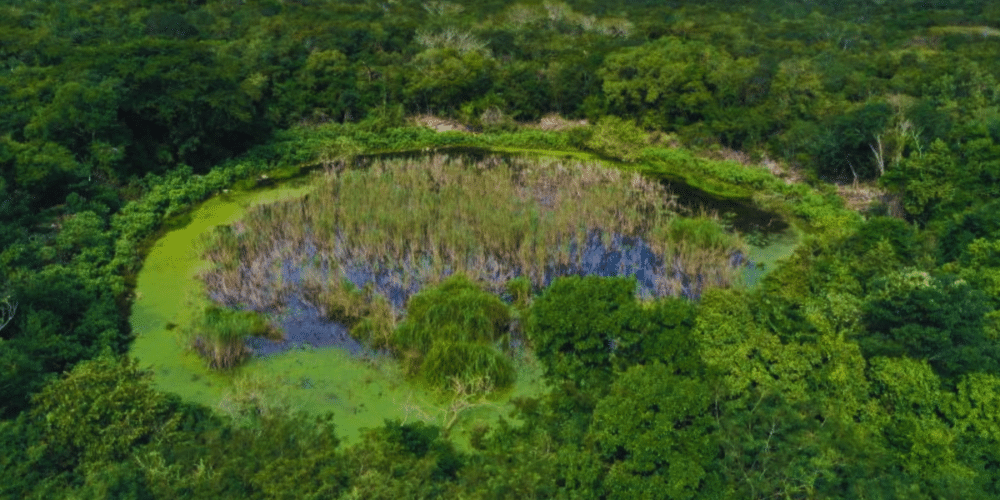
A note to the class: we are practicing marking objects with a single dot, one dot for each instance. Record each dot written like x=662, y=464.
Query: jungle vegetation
x=864, y=366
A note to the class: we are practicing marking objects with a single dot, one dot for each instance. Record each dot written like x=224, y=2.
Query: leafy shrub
x=457, y=310
x=959, y=233
x=617, y=138
x=450, y=331
x=577, y=323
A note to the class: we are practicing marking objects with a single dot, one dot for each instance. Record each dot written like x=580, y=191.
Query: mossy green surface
x=360, y=393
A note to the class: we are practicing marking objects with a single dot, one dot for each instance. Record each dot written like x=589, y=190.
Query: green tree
x=927, y=182
x=671, y=82
x=402, y=461
x=81, y=415
x=576, y=324
x=443, y=78
x=937, y=319
x=922, y=459
x=655, y=432
x=976, y=425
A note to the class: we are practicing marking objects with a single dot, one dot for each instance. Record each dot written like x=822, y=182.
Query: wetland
x=331, y=259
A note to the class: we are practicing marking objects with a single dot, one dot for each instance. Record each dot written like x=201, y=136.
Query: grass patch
x=219, y=335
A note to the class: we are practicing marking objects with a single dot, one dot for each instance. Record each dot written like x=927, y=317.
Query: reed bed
x=219, y=335
x=474, y=217
x=429, y=217
x=699, y=252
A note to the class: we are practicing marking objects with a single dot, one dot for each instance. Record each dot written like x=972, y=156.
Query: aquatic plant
x=253, y=397
x=219, y=335
x=466, y=362
x=450, y=331
x=698, y=250
x=457, y=310
x=375, y=329
x=341, y=301
x=409, y=223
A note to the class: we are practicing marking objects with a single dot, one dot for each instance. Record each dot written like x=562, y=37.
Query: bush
x=959, y=233
x=451, y=331
x=457, y=310
x=617, y=138
x=939, y=319
x=467, y=362
x=577, y=324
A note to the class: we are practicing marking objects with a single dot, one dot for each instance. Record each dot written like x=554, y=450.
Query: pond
x=360, y=388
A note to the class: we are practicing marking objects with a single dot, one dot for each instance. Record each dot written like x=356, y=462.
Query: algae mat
x=359, y=393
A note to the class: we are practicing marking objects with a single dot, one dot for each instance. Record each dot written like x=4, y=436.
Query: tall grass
x=451, y=331
x=455, y=311
x=432, y=216
x=699, y=251
x=467, y=362
x=219, y=335
x=523, y=213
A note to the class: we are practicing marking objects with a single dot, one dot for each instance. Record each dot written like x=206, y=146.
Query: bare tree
x=7, y=310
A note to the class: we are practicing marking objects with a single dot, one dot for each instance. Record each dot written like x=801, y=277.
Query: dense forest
x=866, y=365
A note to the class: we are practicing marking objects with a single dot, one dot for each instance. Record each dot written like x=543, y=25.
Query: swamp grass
x=495, y=219
x=425, y=218
x=456, y=330
x=219, y=335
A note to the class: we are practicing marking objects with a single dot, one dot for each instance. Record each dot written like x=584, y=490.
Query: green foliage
x=671, y=82
x=402, y=461
x=466, y=362
x=95, y=98
x=219, y=335
x=519, y=289
x=81, y=414
x=575, y=323
x=654, y=431
x=666, y=337
x=844, y=150
x=616, y=138
x=926, y=182
x=924, y=443
x=959, y=232
x=450, y=330
x=456, y=310
x=974, y=418
x=938, y=319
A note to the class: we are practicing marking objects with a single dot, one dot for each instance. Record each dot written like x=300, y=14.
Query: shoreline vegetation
x=369, y=237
